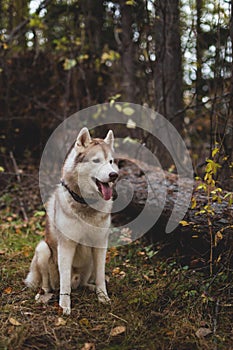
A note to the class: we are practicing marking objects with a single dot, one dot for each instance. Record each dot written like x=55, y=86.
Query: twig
x=215, y=320
x=16, y=169
x=119, y=318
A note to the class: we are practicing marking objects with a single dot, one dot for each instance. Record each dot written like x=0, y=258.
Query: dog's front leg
x=66, y=251
x=99, y=257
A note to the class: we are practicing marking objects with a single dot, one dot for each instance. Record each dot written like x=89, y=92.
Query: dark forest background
x=168, y=291
x=58, y=57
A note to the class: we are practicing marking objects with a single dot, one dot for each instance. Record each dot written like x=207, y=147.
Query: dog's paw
x=64, y=303
x=43, y=298
x=103, y=297
x=66, y=311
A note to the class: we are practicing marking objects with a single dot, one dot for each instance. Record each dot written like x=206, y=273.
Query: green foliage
x=215, y=194
x=36, y=22
x=69, y=63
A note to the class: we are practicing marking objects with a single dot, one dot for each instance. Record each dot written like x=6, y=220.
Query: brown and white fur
x=73, y=252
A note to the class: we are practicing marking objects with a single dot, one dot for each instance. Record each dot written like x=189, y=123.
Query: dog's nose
x=113, y=176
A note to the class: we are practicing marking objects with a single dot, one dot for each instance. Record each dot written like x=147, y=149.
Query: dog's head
x=89, y=167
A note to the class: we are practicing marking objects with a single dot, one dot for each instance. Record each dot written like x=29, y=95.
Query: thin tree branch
x=17, y=173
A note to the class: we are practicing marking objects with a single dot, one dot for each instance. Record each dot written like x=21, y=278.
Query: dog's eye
x=111, y=161
x=96, y=160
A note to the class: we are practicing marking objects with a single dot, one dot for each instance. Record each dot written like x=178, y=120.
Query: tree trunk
x=229, y=128
x=168, y=66
x=153, y=190
x=127, y=53
x=198, y=58
x=1, y=16
x=94, y=24
x=227, y=132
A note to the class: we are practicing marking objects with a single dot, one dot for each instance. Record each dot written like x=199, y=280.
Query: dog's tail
x=38, y=264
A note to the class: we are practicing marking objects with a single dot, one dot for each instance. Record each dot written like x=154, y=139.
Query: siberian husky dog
x=73, y=251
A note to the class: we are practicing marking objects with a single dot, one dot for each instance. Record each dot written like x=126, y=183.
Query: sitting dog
x=73, y=252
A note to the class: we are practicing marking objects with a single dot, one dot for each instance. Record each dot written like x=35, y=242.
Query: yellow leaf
x=209, y=167
x=184, y=223
x=14, y=322
x=1, y=169
x=194, y=203
x=118, y=107
x=84, y=322
x=130, y=2
x=218, y=237
x=128, y=111
x=69, y=63
x=117, y=331
x=202, y=186
x=214, y=152
x=104, y=57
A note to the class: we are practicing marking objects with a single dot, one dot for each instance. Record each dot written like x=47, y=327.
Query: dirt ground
x=157, y=302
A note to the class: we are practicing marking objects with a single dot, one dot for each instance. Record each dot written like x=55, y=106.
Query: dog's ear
x=84, y=138
x=109, y=139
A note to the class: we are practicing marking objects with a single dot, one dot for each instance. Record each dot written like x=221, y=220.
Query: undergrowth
x=156, y=302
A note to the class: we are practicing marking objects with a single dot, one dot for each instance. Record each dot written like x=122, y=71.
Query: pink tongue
x=106, y=191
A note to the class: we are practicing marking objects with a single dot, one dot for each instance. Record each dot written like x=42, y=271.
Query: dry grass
x=157, y=303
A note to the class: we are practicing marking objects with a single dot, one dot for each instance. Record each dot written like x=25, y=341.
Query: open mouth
x=104, y=189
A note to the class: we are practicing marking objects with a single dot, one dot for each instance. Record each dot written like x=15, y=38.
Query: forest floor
x=157, y=303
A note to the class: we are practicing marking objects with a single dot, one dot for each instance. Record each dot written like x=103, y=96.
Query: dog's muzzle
x=104, y=188
x=113, y=176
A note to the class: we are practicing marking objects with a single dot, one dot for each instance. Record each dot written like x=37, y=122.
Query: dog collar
x=78, y=198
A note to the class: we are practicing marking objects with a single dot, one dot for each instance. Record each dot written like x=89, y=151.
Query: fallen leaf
x=116, y=271
x=148, y=279
x=8, y=290
x=122, y=274
x=203, y=332
x=84, y=322
x=60, y=322
x=117, y=330
x=88, y=346
x=14, y=322
x=139, y=253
